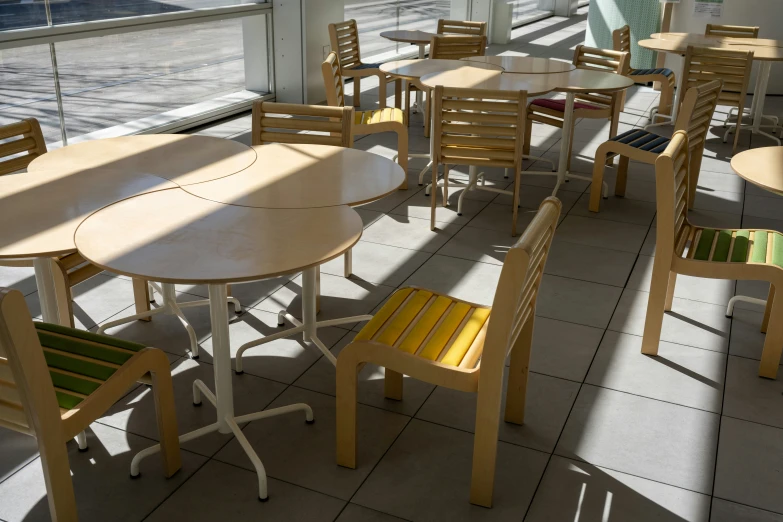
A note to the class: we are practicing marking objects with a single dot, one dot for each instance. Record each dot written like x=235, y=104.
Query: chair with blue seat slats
x=640, y=145
x=684, y=248
x=621, y=39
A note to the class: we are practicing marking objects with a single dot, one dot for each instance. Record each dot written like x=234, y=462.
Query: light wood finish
x=639, y=145
x=666, y=22
x=174, y=237
x=293, y=123
x=462, y=28
x=344, y=38
x=413, y=70
x=524, y=64
x=28, y=403
x=734, y=31
x=479, y=129
x=20, y=143
x=306, y=176
x=677, y=43
x=450, y=47
x=406, y=36
x=732, y=67
x=367, y=122
x=181, y=158
x=597, y=104
x=683, y=248
x=471, y=359
x=665, y=78
x=763, y=167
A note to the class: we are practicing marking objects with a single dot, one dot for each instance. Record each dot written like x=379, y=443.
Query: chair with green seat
x=463, y=346
x=683, y=248
x=55, y=381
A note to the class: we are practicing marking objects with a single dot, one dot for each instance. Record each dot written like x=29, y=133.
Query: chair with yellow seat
x=463, y=346
x=590, y=105
x=621, y=39
x=390, y=119
x=731, y=31
x=22, y=142
x=55, y=381
x=684, y=248
x=643, y=146
x=344, y=39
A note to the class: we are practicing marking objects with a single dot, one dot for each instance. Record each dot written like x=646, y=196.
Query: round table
x=764, y=51
x=181, y=158
x=42, y=210
x=524, y=64
x=413, y=70
x=416, y=37
x=176, y=237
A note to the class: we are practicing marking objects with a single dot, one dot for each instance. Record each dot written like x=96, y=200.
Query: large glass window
x=526, y=11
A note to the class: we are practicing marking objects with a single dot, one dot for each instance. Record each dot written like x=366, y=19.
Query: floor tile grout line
x=206, y=461
x=746, y=505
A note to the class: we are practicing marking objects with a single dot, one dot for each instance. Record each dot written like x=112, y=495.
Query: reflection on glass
x=527, y=10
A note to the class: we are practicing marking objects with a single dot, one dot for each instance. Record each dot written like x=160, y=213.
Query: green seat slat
x=89, y=336
x=705, y=244
x=85, y=349
x=73, y=383
x=741, y=244
x=777, y=250
x=722, y=246
x=73, y=365
x=66, y=401
x=759, y=247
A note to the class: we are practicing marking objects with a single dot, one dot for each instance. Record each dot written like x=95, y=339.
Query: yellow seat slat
x=445, y=331
x=383, y=315
x=466, y=337
x=425, y=325
x=403, y=319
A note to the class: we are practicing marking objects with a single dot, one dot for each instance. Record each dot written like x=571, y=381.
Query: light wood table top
x=174, y=237
x=578, y=80
x=41, y=210
x=306, y=176
x=415, y=69
x=181, y=158
x=411, y=37
x=524, y=64
x=762, y=167
x=677, y=43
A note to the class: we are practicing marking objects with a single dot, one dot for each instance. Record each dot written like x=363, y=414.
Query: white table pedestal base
x=308, y=326
x=745, y=299
x=44, y=280
x=170, y=306
x=223, y=398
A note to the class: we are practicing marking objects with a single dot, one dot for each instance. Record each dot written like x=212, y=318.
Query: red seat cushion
x=559, y=105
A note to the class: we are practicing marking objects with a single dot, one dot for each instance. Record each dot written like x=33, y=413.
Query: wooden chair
x=55, y=381
x=731, y=31
x=683, y=248
x=591, y=105
x=462, y=28
x=666, y=78
x=479, y=129
x=703, y=64
x=458, y=345
x=367, y=122
x=22, y=142
x=643, y=146
x=344, y=39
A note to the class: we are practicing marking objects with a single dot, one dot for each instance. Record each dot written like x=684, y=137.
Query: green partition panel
x=643, y=16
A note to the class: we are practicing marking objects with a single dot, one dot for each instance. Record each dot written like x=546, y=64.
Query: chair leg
x=445, y=185
x=166, y=414
x=613, y=125
x=485, y=441
x=402, y=153
x=381, y=91
x=656, y=303
x=515, y=203
x=665, y=102
x=571, y=145
x=392, y=385
x=407, y=103
x=622, y=176
x=598, y=180
x=737, y=128
x=318, y=290
x=62, y=293
x=693, y=177
x=57, y=477
x=433, y=194
x=670, y=291
x=516, y=389
x=398, y=94
x=357, y=92
x=426, y=100
x=348, y=263
x=528, y=130
x=347, y=380
x=768, y=309
x=141, y=297
x=773, y=345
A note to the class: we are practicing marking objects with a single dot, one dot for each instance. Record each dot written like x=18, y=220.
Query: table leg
x=221, y=356
x=44, y=279
x=759, y=96
x=419, y=94
x=675, y=105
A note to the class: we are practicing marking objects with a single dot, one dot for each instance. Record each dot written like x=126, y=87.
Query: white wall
x=767, y=14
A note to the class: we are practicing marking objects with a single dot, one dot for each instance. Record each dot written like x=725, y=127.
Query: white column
x=254, y=41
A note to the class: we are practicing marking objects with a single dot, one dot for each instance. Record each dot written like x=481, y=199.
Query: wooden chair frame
x=68, y=270
x=28, y=403
x=676, y=253
x=609, y=106
x=344, y=39
x=731, y=31
x=694, y=117
x=509, y=330
x=477, y=128
x=461, y=27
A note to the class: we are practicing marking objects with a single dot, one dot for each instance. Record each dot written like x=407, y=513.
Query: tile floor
x=611, y=435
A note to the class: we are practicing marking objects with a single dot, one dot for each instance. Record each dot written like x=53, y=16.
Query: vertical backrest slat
x=20, y=144
x=458, y=27
x=333, y=81
x=450, y=47
x=292, y=123
x=344, y=39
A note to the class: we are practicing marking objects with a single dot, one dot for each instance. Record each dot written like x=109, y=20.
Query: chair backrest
x=671, y=189
x=621, y=39
x=735, y=31
x=475, y=127
x=20, y=144
x=286, y=122
x=696, y=111
x=344, y=39
x=450, y=47
x=618, y=62
x=463, y=28
x=703, y=64
x=520, y=278
x=333, y=81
